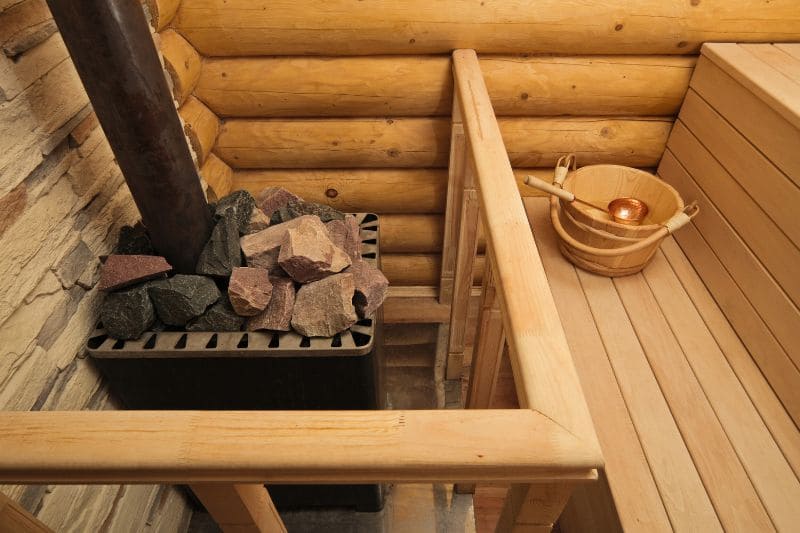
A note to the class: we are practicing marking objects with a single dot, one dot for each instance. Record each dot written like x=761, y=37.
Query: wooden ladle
x=625, y=210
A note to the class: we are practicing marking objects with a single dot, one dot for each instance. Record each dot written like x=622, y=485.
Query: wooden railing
x=543, y=449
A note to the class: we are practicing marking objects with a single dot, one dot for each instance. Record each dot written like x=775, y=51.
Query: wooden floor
x=694, y=437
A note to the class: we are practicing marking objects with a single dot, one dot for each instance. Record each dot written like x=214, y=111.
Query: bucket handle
x=673, y=224
x=562, y=169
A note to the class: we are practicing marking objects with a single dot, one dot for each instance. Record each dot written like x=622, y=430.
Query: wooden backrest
x=735, y=148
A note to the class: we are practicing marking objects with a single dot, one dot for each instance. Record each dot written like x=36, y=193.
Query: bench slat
x=773, y=479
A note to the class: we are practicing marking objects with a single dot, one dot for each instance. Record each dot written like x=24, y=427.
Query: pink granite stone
x=370, y=288
x=278, y=314
x=261, y=248
x=124, y=270
x=273, y=198
x=346, y=235
x=249, y=290
x=324, y=308
x=307, y=253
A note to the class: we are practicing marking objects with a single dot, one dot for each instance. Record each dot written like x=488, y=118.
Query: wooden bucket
x=591, y=240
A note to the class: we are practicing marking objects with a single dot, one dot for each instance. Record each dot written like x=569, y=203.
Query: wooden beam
x=345, y=27
x=533, y=508
x=241, y=508
x=111, y=46
x=425, y=142
x=15, y=519
x=283, y=447
x=543, y=369
x=375, y=190
x=182, y=63
x=421, y=269
x=201, y=126
x=420, y=86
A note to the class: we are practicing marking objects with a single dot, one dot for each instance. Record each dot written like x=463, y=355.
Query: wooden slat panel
x=759, y=123
x=775, y=194
x=735, y=500
x=422, y=86
x=283, y=446
x=638, y=501
x=424, y=142
x=759, y=77
x=772, y=477
x=761, y=235
x=347, y=27
x=777, y=58
x=675, y=474
x=763, y=397
x=765, y=295
x=420, y=269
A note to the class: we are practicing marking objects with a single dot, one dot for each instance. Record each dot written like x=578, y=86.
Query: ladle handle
x=549, y=188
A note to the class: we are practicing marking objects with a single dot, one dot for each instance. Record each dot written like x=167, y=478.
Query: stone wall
x=62, y=202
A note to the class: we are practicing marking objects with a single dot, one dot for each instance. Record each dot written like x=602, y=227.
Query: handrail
x=288, y=447
x=543, y=369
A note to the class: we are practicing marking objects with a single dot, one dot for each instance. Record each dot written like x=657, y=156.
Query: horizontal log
x=334, y=143
x=369, y=190
x=218, y=176
x=348, y=27
x=182, y=63
x=415, y=86
x=424, y=142
x=161, y=12
x=283, y=446
x=412, y=233
x=420, y=269
x=201, y=126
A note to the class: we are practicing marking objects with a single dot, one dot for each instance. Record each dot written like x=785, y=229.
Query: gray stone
x=218, y=317
x=249, y=290
x=278, y=314
x=179, y=299
x=72, y=266
x=239, y=205
x=307, y=253
x=273, y=198
x=261, y=249
x=134, y=240
x=346, y=235
x=297, y=209
x=127, y=314
x=221, y=253
x=325, y=307
x=258, y=222
x=370, y=288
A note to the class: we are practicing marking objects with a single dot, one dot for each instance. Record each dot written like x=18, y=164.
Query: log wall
x=62, y=201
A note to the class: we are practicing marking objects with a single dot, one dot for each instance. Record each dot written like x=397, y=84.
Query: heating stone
x=121, y=271
x=370, y=287
x=307, y=253
x=218, y=317
x=249, y=290
x=325, y=307
x=273, y=198
x=258, y=221
x=278, y=314
x=346, y=235
x=179, y=299
x=261, y=249
x=298, y=209
x=238, y=205
x=127, y=314
x=221, y=253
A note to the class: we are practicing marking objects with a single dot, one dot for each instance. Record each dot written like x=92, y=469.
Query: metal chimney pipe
x=113, y=51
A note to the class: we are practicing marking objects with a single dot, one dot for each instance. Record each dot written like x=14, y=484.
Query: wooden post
x=113, y=51
x=533, y=508
x=240, y=508
x=14, y=518
x=452, y=217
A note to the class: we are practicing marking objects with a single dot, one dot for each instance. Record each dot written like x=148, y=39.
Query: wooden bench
x=690, y=368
